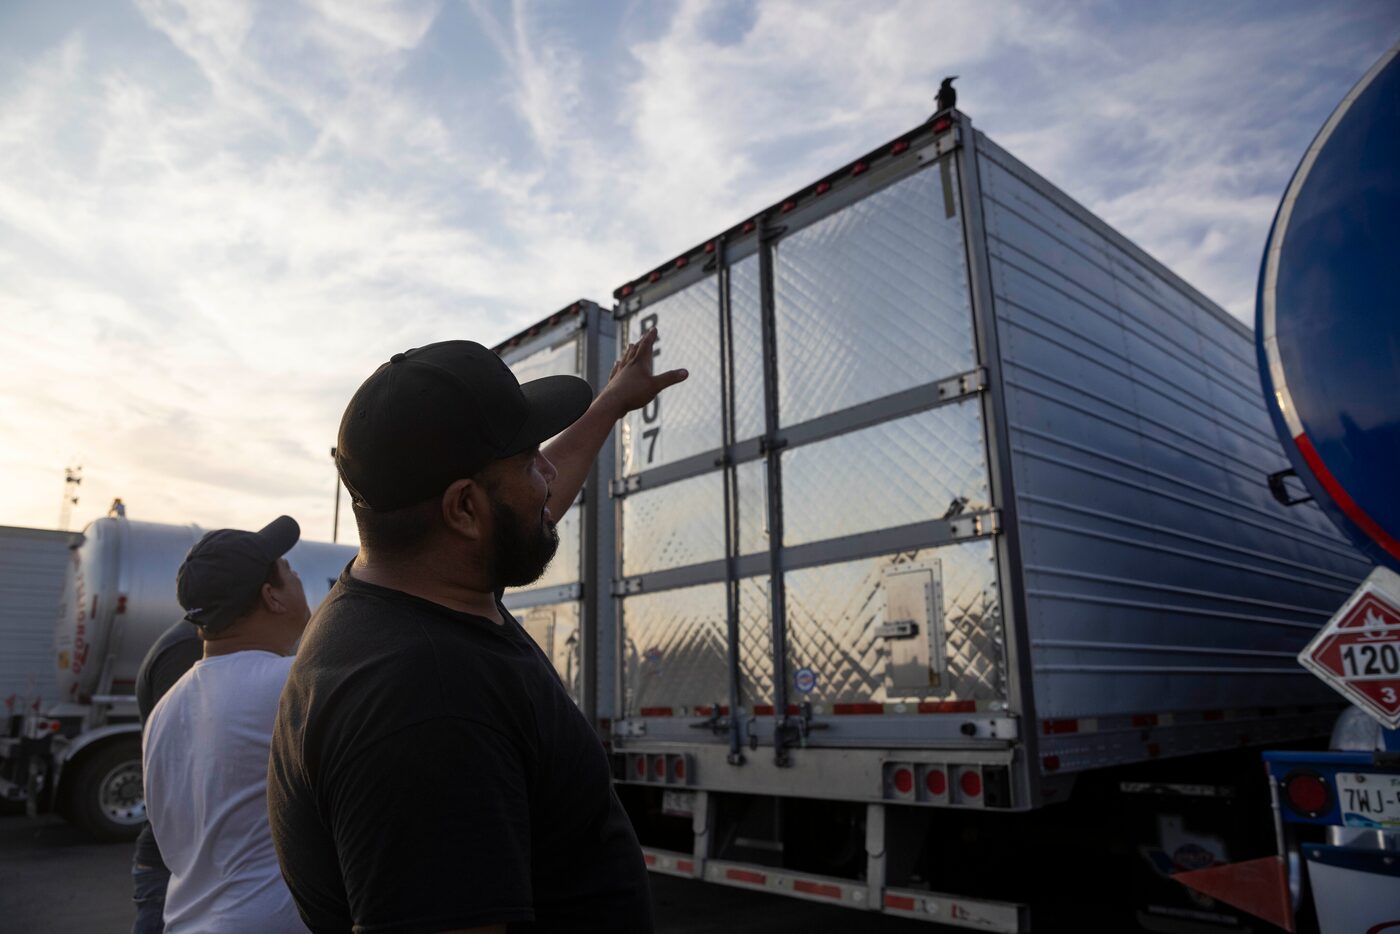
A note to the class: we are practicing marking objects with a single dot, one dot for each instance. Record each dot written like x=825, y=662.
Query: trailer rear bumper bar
x=937, y=907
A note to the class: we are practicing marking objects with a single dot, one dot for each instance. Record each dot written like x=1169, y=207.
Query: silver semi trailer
x=82, y=753
x=951, y=577
x=32, y=563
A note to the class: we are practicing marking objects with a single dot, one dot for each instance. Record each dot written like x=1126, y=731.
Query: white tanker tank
x=119, y=596
x=83, y=755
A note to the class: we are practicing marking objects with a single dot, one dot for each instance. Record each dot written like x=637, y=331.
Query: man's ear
x=464, y=508
x=270, y=601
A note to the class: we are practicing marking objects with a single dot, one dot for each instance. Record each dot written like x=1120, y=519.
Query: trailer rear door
x=805, y=525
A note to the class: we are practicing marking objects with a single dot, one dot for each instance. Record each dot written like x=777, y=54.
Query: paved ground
x=53, y=879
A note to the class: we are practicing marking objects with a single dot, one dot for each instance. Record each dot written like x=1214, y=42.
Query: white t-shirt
x=205, y=755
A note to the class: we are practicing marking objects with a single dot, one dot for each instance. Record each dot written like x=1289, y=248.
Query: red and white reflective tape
x=953, y=910
x=669, y=863
x=844, y=709
x=1145, y=721
x=784, y=882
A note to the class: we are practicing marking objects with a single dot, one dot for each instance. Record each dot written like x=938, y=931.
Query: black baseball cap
x=225, y=570
x=436, y=414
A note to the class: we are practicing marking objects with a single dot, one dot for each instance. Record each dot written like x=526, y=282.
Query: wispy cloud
x=212, y=231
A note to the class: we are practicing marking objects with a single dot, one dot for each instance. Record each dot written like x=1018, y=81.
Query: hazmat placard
x=1358, y=651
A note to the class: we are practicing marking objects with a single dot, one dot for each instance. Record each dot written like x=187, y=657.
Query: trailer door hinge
x=974, y=524
x=964, y=384
x=626, y=485
x=628, y=585
x=898, y=629
x=941, y=146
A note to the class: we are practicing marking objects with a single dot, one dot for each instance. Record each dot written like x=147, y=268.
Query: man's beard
x=523, y=550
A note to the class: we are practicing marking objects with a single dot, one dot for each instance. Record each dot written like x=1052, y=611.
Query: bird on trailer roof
x=947, y=95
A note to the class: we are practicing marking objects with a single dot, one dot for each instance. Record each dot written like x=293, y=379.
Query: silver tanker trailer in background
x=82, y=754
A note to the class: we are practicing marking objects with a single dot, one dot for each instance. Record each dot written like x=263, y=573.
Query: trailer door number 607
x=651, y=412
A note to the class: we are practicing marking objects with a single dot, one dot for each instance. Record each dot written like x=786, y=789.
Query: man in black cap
x=429, y=771
x=204, y=752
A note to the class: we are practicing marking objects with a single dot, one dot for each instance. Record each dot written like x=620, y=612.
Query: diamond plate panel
x=753, y=507
x=745, y=311
x=872, y=300
x=755, y=643
x=555, y=629
x=834, y=611
x=567, y=563
x=674, y=525
x=674, y=648
x=563, y=359
x=895, y=473
x=685, y=419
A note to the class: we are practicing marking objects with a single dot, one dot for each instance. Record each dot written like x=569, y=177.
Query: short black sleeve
x=173, y=654
x=450, y=802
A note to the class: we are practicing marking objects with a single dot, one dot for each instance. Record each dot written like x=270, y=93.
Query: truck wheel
x=104, y=794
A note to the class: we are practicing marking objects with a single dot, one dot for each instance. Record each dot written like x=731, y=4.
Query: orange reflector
x=817, y=888
x=744, y=875
x=848, y=709
x=1258, y=886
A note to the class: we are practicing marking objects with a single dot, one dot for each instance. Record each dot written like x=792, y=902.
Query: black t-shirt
x=174, y=653
x=430, y=772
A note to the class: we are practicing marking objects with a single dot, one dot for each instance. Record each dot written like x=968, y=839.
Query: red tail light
x=903, y=780
x=971, y=784
x=1307, y=793
x=936, y=782
x=899, y=147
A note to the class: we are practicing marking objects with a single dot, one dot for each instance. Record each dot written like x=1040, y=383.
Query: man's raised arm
x=631, y=385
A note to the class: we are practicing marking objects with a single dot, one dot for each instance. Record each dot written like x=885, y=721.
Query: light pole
x=335, y=523
x=72, y=479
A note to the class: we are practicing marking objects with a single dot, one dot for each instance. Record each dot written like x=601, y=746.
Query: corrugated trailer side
x=1166, y=593
x=32, y=565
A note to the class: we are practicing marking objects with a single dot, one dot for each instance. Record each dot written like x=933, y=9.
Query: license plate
x=1368, y=799
x=678, y=803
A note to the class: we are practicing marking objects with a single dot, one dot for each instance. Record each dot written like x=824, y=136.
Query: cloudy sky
x=216, y=218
